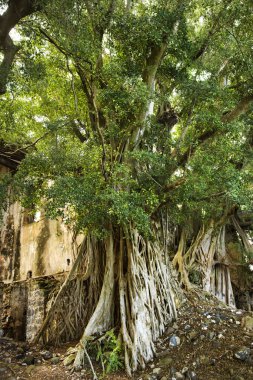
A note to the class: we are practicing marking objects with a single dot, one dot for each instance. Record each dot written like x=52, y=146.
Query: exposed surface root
x=179, y=263
x=69, y=308
x=207, y=256
x=102, y=317
x=139, y=298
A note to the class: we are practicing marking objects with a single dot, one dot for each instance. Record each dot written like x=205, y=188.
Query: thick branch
x=211, y=33
x=75, y=126
x=152, y=64
x=9, y=50
x=148, y=76
x=96, y=117
x=99, y=26
x=174, y=185
x=239, y=109
x=183, y=158
x=17, y=9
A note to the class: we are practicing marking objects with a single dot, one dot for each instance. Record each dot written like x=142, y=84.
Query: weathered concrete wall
x=30, y=248
x=33, y=249
x=46, y=247
x=10, y=243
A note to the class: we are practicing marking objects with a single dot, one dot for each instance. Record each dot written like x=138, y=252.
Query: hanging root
x=144, y=303
x=244, y=238
x=72, y=305
x=124, y=282
x=207, y=255
x=179, y=263
x=146, y=298
x=102, y=317
x=55, y=301
x=91, y=365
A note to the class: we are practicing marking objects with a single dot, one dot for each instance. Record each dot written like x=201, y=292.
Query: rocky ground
x=209, y=341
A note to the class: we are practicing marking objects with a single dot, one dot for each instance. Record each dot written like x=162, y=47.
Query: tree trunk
x=143, y=292
x=102, y=318
x=207, y=256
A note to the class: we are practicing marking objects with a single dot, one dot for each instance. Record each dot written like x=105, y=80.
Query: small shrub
x=110, y=352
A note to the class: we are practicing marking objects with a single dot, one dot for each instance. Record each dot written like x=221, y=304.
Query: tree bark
x=17, y=9
x=207, y=256
x=145, y=297
x=102, y=318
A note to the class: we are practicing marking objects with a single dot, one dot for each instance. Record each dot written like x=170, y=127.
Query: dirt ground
x=209, y=341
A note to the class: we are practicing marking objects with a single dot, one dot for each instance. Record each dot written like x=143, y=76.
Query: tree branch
x=17, y=9
x=53, y=42
x=60, y=48
x=9, y=50
x=24, y=148
x=75, y=128
x=211, y=32
x=148, y=76
x=152, y=63
x=239, y=109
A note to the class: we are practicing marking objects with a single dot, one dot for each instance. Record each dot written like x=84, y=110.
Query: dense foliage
x=78, y=98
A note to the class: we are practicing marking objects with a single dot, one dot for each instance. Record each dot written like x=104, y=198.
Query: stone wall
x=23, y=306
x=13, y=310
x=36, y=307
x=1, y=307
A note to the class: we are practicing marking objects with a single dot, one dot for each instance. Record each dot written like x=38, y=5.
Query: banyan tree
x=136, y=120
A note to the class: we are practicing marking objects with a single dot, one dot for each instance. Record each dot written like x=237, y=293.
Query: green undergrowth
x=109, y=352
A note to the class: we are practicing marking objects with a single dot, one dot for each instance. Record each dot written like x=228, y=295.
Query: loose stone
x=69, y=359
x=247, y=322
x=46, y=355
x=28, y=360
x=165, y=362
x=191, y=375
x=55, y=360
x=157, y=371
x=243, y=354
x=174, y=341
x=179, y=376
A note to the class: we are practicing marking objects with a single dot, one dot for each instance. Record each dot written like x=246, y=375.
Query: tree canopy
x=124, y=108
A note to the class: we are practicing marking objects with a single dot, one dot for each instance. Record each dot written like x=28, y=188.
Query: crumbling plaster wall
x=10, y=243
x=31, y=248
x=46, y=247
